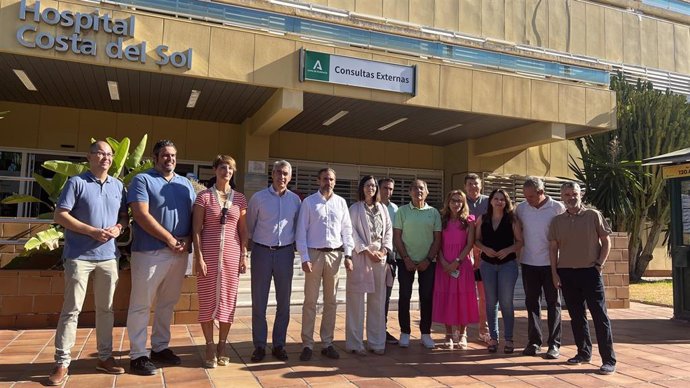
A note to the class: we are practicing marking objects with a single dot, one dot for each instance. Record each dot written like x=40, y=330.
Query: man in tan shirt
x=579, y=246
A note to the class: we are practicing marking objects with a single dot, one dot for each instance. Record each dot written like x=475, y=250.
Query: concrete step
x=297, y=296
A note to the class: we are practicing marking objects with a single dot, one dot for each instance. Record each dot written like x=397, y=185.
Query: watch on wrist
x=348, y=257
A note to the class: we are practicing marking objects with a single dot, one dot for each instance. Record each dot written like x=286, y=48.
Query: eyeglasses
x=102, y=154
x=224, y=216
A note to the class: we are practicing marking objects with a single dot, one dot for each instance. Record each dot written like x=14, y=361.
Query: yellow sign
x=677, y=171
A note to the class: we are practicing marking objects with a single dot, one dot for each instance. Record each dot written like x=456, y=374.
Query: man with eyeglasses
x=161, y=203
x=417, y=239
x=324, y=240
x=271, y=220
x=93, y=212
x=387, y=185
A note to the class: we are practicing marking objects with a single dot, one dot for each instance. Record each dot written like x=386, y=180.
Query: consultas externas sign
x=336, y=69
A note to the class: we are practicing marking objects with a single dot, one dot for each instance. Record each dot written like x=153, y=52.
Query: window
x=304, y=180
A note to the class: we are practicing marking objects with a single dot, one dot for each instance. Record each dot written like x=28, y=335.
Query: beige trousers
x=376, y=316
x=324, y=266
x=76, y=280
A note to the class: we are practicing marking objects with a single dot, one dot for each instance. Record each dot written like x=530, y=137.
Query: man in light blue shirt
x=271, y=220
x=324, y=236
x=92, y=210
x=161, y=203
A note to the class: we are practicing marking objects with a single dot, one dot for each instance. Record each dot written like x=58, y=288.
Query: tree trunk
x=647, y=251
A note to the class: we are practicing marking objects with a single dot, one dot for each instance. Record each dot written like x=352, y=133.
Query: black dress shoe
x=305, y=355
x=330, y=352
x=259, y=354
x=390, y=339
x=531, y=350
x=142, y=366
x=165, y=356
x=280, y=353
x=578, y=360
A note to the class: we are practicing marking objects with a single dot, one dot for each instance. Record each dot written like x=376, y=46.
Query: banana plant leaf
x=134, y=158
x=142, y=167
x=114, y=144
x=119, y=158
x=21, y=198
x=66, y=168
x=49, y=239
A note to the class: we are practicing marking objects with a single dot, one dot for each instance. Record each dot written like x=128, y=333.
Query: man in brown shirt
x=579, y=246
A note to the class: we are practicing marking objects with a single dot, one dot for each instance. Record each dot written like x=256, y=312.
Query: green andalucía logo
x=316, y=66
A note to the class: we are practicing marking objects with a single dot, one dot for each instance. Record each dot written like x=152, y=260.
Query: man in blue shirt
x=161, y=203
x=271, y=219
x=92, y=210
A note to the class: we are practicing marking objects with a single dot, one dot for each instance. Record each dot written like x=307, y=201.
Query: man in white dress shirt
x=323, y=237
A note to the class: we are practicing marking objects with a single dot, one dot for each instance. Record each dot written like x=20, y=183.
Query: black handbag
x=477, y=275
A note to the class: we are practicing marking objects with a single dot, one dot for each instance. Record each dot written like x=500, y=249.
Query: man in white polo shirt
x=536, y=214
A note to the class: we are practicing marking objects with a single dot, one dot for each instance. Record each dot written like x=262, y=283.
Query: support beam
x=282, y=107
x=519, y=138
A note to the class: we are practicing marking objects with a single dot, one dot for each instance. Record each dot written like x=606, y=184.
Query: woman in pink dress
x=455, y=298
x=220, y=254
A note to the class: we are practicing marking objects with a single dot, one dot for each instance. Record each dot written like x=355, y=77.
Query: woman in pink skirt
x=455, y=298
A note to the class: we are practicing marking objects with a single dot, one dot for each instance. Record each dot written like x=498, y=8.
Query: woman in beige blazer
x=373, y=236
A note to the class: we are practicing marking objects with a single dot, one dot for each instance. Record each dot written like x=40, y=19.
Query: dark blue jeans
x=267, y=264
x=580, y=285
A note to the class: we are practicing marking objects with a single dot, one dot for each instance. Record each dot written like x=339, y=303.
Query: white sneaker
x=427, y=342
x=404, y=340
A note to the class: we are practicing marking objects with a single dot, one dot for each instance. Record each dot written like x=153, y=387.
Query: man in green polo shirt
x=417, y=239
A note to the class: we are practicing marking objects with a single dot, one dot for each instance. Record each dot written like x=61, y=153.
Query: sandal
x=509, y=347
x=463, y=342
x=223, y=358
x=449, y=341
x=210, y=357
x=493, y=346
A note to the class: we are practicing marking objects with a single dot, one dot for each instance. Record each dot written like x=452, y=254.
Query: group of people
x=468, y=251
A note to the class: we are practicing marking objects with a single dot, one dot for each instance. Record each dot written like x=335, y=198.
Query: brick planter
x=616, y=279
x=33, y=299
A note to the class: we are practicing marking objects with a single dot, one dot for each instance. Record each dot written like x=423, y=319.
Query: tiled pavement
x=652, y=350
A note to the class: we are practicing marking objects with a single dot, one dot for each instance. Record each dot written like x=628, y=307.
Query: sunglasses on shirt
x=224, y=216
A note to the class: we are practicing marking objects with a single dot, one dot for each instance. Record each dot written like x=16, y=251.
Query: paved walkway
x=652, y=350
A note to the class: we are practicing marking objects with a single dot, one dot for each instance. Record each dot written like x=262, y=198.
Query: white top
x=323, y=224
x=535, y=230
